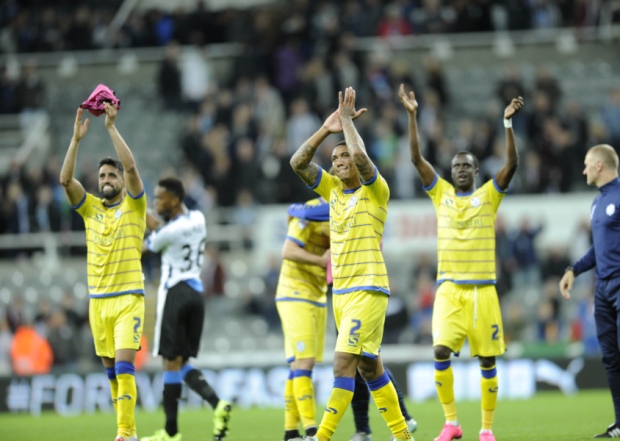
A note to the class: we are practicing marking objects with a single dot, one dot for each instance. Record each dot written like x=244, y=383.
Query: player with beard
x=115, y=226
x=180, y=305
x=466, y=304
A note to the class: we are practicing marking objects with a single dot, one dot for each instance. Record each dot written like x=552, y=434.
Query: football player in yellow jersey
x=115, y=228
x=466, y=304
x=358, y=197
x=301, y=299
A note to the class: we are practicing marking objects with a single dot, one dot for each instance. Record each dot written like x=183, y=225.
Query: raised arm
x=504, y=176
x=301, y=161
x=132, y=177
x=425, y=169
x=347, y=113
x=74, y=190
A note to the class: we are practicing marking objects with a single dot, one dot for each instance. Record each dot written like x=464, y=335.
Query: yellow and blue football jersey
x=357, y=220
x=114, y=235
x=304, y=281
x=465, y=232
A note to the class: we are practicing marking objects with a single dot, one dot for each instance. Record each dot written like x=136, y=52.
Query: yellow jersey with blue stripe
x=465, y=231
x=357, y=220
x=303, y=281
x=114, y=235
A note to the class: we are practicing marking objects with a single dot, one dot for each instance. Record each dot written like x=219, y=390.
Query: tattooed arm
x=346, y=110
x=306, y=170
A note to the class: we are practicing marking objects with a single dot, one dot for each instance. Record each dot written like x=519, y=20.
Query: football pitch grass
x=547, y=417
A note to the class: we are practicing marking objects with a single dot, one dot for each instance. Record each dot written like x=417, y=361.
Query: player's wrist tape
x=569, y=268
x=507, y=123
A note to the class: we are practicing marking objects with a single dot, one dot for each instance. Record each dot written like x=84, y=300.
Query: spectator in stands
x=424, y=268
x=79, y=35
x=272, y=114
x=74, y=318
x=424, y=296
x=191, y=143
x=31, y=354
x=545, y=14
x=473, y=17
x=197, y=78
x=8, y=92
x=577, y=124
x=47, y=216
x=511, y=84
x=396, y=319
x=213, y=276
x=584, y=326
x=555, y=262
x=515, y=322
x=287, y=64
x=16, y=210
x=357, y=19
x=42, y=315
x=545, y=82
x=300, y=125
x=393, y=24
x=169, y=78
x=430, y=18
x=245, y=216
x=506, y=262
x=531, y=174
x=436, y=81
x=548, y=314
x=30, y=94
x=611, y=115
x=6, y=340
x=535, y=120
x=581, y=241
x=527, y=271
x=15, y=314
x=243, y=125
x=63, y=339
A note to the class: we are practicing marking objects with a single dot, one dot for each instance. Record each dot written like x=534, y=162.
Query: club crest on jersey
x=475, y=202
x=300, y=346
x=352, y=201
x=118, y=214
x=610, y=210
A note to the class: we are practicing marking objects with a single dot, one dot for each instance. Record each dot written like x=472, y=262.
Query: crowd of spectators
x=51, y=340
x=38, y=26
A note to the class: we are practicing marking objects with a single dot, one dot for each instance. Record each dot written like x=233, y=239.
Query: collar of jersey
x=459, y=194
x=113, y=205
x=351, y=190
x=610, y=185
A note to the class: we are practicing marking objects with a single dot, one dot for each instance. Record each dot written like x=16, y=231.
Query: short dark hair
x=343, y=142
x=465, y=152
x=173, y=186
x=113, y=162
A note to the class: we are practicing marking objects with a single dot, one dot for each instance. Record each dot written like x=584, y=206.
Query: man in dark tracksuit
x=601, y=169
